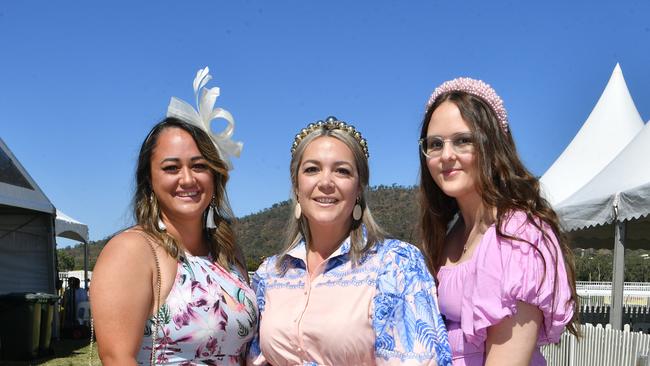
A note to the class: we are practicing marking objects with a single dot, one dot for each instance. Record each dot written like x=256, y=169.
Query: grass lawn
x=67, y=352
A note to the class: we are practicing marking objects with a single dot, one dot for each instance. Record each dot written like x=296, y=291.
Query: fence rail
x=599, y=346
x=599, y=293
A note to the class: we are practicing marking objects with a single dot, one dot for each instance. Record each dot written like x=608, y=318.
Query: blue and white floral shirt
x=381, y=311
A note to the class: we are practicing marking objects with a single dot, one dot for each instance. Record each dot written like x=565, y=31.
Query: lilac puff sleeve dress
x=484, y=290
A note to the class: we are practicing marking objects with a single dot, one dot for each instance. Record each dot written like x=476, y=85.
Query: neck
x=474, y=213
x=189, y=234
x=326, y=239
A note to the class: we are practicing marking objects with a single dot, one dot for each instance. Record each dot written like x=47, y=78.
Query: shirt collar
x=300, y=250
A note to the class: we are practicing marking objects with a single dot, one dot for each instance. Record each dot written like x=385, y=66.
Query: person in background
x=341, y=293
x=72, y=297
x=505, y=272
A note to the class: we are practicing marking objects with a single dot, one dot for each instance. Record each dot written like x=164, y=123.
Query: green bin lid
x=45, y=298
x=19, y=297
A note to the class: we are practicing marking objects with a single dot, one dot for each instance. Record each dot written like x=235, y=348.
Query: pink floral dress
x=198, y=326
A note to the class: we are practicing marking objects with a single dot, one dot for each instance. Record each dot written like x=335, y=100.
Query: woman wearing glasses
x=505, y=272
x=341, y=293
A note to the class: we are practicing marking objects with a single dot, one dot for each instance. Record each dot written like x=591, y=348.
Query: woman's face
x=180, y=176
x=328, y=182
x=454, y=172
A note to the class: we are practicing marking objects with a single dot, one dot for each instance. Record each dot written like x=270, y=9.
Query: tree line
x=262, y=234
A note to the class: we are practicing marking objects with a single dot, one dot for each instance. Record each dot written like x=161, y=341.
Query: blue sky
x=81, y=83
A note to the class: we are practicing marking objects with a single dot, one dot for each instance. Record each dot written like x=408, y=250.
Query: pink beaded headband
x=476, y=88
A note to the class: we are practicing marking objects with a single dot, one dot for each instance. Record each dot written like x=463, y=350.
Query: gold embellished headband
x=331, y=123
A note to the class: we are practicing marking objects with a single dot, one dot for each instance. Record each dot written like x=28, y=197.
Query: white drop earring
x=357, y=212
x=209, y=217
x=161, y=224
x=297, y=211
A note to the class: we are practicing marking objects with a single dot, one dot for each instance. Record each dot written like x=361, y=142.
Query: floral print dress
x=208, y=317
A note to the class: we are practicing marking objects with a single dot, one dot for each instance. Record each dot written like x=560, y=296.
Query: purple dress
x=483, y=290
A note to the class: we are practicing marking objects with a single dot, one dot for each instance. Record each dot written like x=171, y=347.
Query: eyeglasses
x=461, y=143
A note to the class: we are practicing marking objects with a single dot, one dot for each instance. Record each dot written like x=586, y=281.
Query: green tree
x=66, y=261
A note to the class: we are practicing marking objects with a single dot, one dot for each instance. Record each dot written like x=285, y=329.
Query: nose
x=187, y=177
x=448, y=152
x=325, y=182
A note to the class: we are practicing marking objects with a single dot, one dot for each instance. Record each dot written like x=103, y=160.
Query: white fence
x=599, y=347
x=599, y=293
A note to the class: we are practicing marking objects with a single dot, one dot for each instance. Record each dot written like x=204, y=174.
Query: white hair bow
x=205, y=99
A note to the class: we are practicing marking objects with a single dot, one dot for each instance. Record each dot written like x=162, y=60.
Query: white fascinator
x=205, y=113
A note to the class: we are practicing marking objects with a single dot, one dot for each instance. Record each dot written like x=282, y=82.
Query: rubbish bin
x=20, y=326
x=47, y=302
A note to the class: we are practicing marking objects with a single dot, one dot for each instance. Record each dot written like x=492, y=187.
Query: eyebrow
x=176, y=160
x=452, y=135
x=317, y=162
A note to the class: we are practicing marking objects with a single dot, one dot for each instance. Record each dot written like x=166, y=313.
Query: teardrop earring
x=161, y=224
x=357, y=212
x=297, y=211
x=209, y=217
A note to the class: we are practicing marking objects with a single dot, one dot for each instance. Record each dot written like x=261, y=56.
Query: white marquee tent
x=609, y=187
x=611, y=125
x=613, y=208
x=28, y=224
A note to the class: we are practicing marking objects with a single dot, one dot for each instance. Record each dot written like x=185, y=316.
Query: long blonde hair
x=221, y=241
x=298, y=229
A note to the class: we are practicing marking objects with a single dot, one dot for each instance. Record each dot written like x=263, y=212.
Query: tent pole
x=86, y=265
x=618, y=273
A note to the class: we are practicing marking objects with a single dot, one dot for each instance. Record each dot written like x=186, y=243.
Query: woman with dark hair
x=505, y=271
x=341, y=293
x=178, y=273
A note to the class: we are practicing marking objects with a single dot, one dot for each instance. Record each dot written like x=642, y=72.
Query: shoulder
x=390, y=250
x=529, y=229
x=266, y=269
x=127, y=245
x=399, y=259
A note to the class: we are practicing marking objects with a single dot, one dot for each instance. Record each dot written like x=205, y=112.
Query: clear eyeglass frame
x=461, y=143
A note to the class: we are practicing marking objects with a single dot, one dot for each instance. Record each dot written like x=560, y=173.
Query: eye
x=170, y=168
x=344, y=171
x=200, y=167
x=435, y=143
x=310, y=169
x=463, y=140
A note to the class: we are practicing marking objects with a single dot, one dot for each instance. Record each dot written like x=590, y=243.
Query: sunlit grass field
x=67, y=352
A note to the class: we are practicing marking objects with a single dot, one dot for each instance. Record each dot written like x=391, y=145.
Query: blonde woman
x=341, y=293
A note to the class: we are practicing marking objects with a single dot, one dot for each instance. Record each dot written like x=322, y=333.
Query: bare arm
x=121, y=298
x=513, y=340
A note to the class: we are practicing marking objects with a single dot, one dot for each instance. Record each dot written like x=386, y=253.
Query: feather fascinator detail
x=205, y=113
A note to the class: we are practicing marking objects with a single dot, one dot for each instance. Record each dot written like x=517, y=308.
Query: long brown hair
x=503, y=183
x=221, y=241
x=298, y=229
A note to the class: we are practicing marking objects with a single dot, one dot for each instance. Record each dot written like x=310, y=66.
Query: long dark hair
x=504, y=183
x=222, y=244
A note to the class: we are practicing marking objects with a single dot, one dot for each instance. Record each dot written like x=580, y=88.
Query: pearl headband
x=476, y=88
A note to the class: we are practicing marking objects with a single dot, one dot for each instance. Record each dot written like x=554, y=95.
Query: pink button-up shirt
x=382, y=311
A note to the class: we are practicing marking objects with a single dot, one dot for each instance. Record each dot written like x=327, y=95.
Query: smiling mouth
x=187, y=194
x=450, y=172
x=326, y=200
